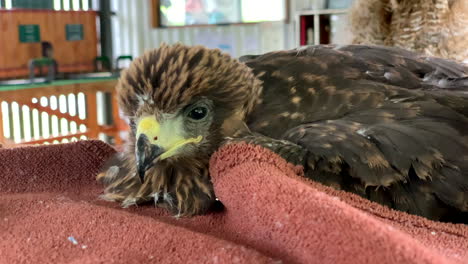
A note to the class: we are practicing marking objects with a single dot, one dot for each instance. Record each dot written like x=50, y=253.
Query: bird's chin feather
x=180, y=185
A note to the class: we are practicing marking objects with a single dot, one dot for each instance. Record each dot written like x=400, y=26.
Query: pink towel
x=50, y=213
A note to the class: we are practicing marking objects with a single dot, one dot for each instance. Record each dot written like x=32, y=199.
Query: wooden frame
x=155, y=15
x=24, y=98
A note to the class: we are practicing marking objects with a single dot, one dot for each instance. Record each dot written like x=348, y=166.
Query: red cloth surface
x=50, y=213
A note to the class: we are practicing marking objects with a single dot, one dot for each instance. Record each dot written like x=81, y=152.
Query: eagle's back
x=372, y=116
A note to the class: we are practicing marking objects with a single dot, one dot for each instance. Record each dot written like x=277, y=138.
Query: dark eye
x=198, y=113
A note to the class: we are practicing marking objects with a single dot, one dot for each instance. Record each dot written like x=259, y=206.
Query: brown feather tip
x=171, y=75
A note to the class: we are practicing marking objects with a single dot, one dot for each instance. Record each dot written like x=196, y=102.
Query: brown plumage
x=380, y=122
x=163, y=81
x=431, y=27
x=181, y=74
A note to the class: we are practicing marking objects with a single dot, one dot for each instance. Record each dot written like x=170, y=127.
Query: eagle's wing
x=417, y=167
x=407, y=148
x=390, y=65
x=417, y=163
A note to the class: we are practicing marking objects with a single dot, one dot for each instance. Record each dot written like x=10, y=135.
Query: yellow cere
x=147, y=124
x=150, y=127
x=164, y=135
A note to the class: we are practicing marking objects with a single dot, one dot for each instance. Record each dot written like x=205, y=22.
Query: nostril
x=155, y=138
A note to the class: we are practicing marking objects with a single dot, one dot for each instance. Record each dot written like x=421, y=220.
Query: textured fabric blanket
x=50, y=213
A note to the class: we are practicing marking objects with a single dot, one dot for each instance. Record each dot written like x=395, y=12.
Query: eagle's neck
x=181, y=185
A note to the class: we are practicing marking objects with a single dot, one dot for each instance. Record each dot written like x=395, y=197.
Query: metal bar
x=317, y=29
x=10, y=120
x=106, y=28
x=91, y=114
x=2, y=132
x=297, y=30
x=41, y=125
x=51, y=139
x=68, y=112
x=77, y=108
x=31, y=121
x=33, y=124
x=21, y=122
x=51, y=132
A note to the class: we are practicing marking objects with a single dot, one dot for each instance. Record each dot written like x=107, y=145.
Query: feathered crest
x=170, y=76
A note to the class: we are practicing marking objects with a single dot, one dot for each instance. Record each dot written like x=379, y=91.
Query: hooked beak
x=147, y=154
x=157, y=141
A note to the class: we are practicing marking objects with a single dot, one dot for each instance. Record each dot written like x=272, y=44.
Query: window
x=205, y=12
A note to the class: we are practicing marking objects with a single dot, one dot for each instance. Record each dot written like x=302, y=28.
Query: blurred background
x=60, y=59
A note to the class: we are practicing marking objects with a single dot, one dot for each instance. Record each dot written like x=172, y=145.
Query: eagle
x=385, y=123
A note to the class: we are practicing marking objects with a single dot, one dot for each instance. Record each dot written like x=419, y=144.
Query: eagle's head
x=182, y=102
